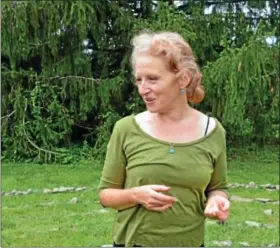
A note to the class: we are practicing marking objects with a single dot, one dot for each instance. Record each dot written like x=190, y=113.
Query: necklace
x=171, y=148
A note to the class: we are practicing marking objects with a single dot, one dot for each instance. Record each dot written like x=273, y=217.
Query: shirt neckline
x=175, y=144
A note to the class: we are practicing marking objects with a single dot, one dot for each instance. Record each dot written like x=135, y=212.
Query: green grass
x=37, y=176
x=261, y=167
x=50, y=220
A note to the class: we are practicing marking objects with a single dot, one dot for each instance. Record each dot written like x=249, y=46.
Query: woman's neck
x=174, y=116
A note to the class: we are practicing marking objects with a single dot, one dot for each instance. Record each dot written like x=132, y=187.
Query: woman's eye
x=153, y=79
x=138, y=81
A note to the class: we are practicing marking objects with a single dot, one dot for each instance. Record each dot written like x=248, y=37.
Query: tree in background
x=66, y=76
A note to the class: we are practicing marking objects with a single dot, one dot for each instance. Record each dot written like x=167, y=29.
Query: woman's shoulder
x=211, y=123
x=125, y=122
x=142, y=117
x=218, y=124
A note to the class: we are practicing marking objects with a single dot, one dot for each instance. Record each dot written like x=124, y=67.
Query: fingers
x=222, y=215
x=211, y=210
x=218, y=209
x=152, y=198
x=155, y=202
x=163, y=198
x=225, y=205
x=159, y=208
x=159, y=188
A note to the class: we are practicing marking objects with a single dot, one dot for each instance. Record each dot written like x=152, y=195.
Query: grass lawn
x=49, y=220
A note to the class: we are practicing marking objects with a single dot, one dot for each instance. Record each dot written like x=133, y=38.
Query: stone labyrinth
x=223, y=243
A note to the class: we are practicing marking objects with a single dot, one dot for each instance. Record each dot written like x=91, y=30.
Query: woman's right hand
x=152, y=198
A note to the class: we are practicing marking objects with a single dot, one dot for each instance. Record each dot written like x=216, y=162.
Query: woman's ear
x=185, y=79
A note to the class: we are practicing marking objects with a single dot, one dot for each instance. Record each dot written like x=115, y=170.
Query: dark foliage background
x=66, y=77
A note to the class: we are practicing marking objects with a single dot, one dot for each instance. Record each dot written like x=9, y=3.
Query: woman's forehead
x=149, y=62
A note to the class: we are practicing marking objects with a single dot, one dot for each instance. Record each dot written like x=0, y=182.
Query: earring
x=182, y=91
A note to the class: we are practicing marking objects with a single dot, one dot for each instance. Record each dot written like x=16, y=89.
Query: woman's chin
x=152, y=110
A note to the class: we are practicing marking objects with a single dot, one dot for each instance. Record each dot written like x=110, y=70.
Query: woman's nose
x=143, y=88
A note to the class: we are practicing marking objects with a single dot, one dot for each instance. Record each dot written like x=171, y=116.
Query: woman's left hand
x=217, y=207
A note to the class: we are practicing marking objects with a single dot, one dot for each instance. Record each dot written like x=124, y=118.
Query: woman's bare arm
x=149, y=196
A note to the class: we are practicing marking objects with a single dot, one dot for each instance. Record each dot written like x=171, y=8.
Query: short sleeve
x=219, y=179
x=113, y=174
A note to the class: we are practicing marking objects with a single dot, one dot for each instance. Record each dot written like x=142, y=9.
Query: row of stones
x=248, y=223
x=253, y=185
x=214, y=222
x=243, y=199
x=227, y=243
x=61, y=189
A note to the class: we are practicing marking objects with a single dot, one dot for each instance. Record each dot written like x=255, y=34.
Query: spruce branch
x=88, y=128
x=37, y=147
x=8, y=116
x=77, y=77
x=33, y=144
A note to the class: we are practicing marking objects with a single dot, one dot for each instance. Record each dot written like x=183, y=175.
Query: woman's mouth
x=149, y=100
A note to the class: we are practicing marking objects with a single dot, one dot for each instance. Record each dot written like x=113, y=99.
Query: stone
x=29, y=191
x=277, y=187
x=233, y=185
x=74, y=200
x=275, y=203
x=264, y=200
x=102, y=211
x=253, y=223
x=252, y=185
x=241, y=199
x=47, y=191
x=70, y=188
x=9, y=193
x=271, y=186
x=269, y=226
x=19, y=193
x=223, y=243
x=13, y=192
x=107, y=246
x=62, y=189
x=265, y=185
x=81, y=188
x=55, y=190
x=244, y=244
x=268, y=211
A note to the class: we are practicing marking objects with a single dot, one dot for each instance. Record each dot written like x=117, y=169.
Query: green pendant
x=171, y=150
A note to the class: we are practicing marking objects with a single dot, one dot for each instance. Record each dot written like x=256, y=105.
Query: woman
x=165, y=168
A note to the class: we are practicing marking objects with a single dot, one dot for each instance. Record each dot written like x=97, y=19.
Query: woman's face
x=156, y=84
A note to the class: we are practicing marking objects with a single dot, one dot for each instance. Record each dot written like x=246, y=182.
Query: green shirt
x=135, y=158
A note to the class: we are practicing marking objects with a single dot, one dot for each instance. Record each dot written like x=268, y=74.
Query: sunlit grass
x=51, y=220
